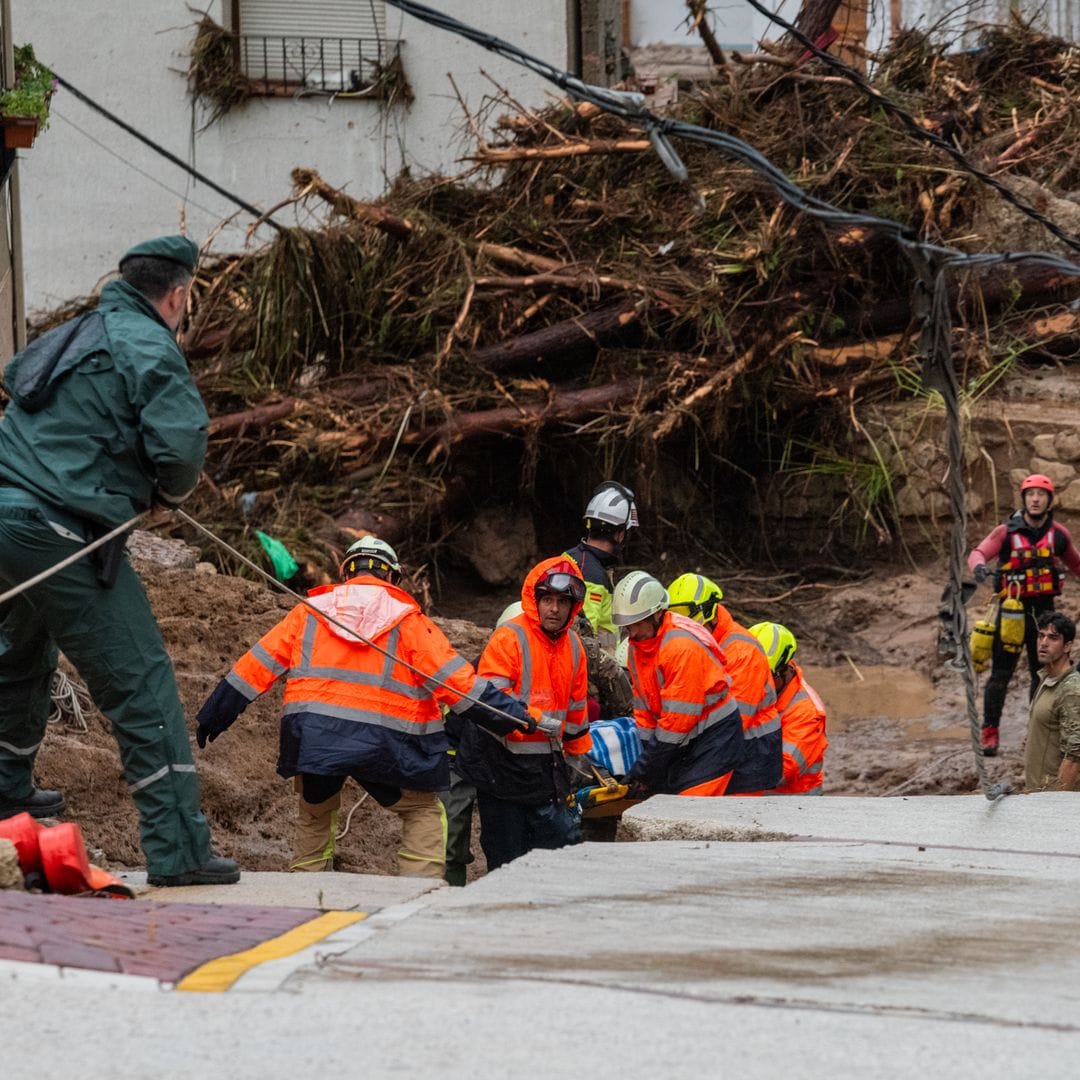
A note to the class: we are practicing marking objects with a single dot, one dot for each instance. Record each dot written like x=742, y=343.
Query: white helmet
x=622, y=653
x=636, y=597
x=369, y=553
x=511, y=611
x=612, y=504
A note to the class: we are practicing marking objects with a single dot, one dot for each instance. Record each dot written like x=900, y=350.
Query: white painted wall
x=735, y=23
x=1061, y=17
x=90, y=190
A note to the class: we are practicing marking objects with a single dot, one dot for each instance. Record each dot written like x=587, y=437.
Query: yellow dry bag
x=1013, y=624
x=982, y=640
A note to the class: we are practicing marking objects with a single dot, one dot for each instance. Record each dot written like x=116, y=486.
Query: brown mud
x=896, y=713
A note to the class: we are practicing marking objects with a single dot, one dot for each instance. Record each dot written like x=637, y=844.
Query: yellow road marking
x=218, y=975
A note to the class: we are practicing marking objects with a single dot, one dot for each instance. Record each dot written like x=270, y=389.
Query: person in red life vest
x=352, y=711
x=1028, y=549
x=689, y=724
x=802, y=714
x=522, y=779
x=751, y=681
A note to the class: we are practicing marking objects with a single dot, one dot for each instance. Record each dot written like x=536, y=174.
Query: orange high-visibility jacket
x=686, y=716
x=349, y=709
x=802, y=721
x=550, y=676
x=752, y=686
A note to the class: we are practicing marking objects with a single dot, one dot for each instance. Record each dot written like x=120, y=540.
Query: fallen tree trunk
x=262, y=415
x=1025, y=287
x=308, y=180
x=563, y=405
x=488, y=155
x=590, y=331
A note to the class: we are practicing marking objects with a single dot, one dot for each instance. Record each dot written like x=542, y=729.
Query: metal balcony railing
x=329, y=64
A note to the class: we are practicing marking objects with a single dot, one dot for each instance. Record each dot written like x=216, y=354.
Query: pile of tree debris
x=567, y=309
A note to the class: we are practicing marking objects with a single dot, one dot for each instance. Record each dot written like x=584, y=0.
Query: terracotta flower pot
x=19, y=131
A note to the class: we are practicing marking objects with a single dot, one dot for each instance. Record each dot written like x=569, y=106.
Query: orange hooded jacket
x=550, y=676
x=349, y=709
x=687, y=719
x=755, y=694
x=802, y=721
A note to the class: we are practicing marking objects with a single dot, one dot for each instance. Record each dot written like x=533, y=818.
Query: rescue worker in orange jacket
x=352, y=711
x=687, y=719
x=1029, y=549
x=522, y=779
x=802, y=714
x=751, y=682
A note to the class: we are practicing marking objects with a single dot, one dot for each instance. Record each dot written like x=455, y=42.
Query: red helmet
x=1037, y=480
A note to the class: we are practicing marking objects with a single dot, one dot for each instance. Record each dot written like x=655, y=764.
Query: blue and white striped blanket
x=615, y=744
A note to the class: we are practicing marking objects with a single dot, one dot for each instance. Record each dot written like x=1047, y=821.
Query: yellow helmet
x=778, y=642
x=696, y=596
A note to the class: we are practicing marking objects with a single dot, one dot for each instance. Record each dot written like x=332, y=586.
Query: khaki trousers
x=423, y=832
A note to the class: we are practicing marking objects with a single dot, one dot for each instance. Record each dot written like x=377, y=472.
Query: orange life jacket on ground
x=802, y=722
x=58, y=853
x=687, y=719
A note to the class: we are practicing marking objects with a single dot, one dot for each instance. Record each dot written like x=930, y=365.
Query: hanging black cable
x=913, y=127
x=168, y=155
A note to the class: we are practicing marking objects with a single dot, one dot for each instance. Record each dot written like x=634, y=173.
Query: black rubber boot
x=216, y=871
x=39, y=803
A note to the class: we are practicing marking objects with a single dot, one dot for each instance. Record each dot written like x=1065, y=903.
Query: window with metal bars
x=335, y=47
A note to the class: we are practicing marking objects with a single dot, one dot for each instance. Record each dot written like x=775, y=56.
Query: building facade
x=90, y=189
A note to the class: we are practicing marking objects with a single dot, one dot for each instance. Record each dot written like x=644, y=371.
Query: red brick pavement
x=136, y=937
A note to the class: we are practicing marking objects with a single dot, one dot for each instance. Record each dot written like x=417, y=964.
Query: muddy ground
x=896, y=719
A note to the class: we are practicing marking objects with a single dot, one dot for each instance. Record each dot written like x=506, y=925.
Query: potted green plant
x=24, y=107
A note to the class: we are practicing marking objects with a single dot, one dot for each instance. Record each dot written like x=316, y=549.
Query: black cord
x=913, y=127
x=168, y=155
x=632, y=109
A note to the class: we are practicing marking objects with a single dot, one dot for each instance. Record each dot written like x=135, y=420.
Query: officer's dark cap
x=175, y=249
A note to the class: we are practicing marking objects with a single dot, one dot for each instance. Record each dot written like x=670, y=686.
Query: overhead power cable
x=186, y=199
x=912, y=125
x=168, y=154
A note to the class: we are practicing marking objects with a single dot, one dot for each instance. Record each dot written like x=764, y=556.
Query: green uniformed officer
x=104, y=422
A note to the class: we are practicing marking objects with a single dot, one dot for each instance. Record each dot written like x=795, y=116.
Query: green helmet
x=778, y=642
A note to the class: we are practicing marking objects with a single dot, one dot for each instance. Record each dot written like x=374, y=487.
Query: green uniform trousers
x=111, y=637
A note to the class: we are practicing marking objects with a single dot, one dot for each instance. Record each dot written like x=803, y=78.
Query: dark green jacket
x=120, y=417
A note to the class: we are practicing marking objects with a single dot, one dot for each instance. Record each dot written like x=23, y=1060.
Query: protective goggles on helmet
x=560, y=584
x=705, y=608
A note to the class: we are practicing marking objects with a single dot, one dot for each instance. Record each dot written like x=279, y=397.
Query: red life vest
x=1030, y=565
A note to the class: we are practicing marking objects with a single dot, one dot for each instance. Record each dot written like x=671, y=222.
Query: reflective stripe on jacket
x=688, y=721
x=752, y=685
x=550, y=676
x=348, y=708
x=802, y=721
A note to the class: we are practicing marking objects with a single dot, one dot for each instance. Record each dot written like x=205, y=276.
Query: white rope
x=348, y=819
x=63, y=563
x=70, y=701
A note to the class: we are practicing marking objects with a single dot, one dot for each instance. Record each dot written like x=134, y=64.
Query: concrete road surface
x=792, y=959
